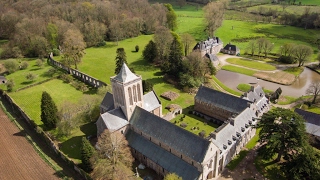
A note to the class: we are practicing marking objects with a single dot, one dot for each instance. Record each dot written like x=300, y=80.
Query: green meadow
x=251, y=64
x=299, y=10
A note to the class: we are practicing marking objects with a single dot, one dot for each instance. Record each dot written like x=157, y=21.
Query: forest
x=36, y=27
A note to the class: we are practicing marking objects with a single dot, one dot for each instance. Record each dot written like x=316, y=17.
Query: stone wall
x=77, y=74
x=211, y=110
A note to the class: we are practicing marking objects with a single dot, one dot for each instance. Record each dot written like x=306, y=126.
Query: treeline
x=34, y=27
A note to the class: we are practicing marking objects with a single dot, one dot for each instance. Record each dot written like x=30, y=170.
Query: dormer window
x=242, y=129
x=246, y=125
x=234, y=138
x=229, y=142
x=238, y=134
x=224, y=146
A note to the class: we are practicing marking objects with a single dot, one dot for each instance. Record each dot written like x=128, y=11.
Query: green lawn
x=251, y=64
x=226, y=88
x=254, y=140
x=29, y=99
x=19, y=77
x=236, y=160
x=244, y=87
x=243, y=32
x=239, y=70
x=298, y=10
x=294, y=70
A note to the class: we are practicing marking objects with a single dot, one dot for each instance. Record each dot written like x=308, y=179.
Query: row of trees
x=35, y=28
x=283, y=134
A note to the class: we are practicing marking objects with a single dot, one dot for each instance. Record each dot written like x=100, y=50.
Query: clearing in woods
x=18, y=158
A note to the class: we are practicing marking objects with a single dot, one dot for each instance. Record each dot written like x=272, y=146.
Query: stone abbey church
x=165, y=147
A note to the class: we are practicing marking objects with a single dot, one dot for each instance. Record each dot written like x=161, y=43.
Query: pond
x=297, y=89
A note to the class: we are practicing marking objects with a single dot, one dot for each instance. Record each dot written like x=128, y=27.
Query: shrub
x=287, y=59
x=24, y=65
x=67, y=78
x=39, y=63
x=56, y=52
x=137, y=48
x=202, y=134
x=11, y=66
x=31, y=76
x=10, y=84
x=51, y=72
x=184, y=125
x=147, y=86
x=101, y=43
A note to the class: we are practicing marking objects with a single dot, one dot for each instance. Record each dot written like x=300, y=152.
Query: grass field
x=299, y=10
x=226, y=88
x=19, y=77
x=239, y=70
x=251, y=64
x=29, y=99
x=243, y=32
x=294, y=70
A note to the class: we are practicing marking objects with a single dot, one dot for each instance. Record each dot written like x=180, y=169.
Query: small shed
x=3, y=80
x=231, y=49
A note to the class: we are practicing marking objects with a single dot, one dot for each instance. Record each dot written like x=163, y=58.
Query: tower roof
x=125, y=75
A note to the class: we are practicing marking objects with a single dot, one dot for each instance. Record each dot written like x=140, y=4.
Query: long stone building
x=165, y=147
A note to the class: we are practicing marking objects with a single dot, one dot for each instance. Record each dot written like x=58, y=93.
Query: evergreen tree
x=283, y=133
x=86, y=152
x=120, y=59
x=173, y=65
x=150, y=52
x=49, y=111
x=171, y=17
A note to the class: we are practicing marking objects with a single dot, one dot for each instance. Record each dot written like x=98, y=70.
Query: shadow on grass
x=269, y=168
x=89, y=129
x=20, y=133
x=235, y=161
x=156, y=80
x=91, y=90
x=159, y=73
x=35, y=69
x=71, y=147
x=27, y=83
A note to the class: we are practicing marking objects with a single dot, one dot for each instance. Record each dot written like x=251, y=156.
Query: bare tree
x=112, y=158
x=302, y=53
x=181, y=3
x=267, y=47
x=314, y=89
x=214, y=12
x=252, y=47
x=287, y=49
x=187, y=39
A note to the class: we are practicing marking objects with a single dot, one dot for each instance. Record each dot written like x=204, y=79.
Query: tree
x=171, y=17
x=267, y=47
x=314, y=90
x=305, y=165
x=181, y=3
x=39, y=63
x=283, y=133
x=147, y=86
x=187, y=39
x=86, y=153
x=252, y=47
x=49, y=111
x=150, y=52
x=302, y=53
x=120, y=59
x=112, y=158
x=163, y=38
x=52, y=35
x=260, y=43
x=10, y=84
x=173, y=65
x=214, y=12
x=287, y=49
x=172, y=176
x=73, y=47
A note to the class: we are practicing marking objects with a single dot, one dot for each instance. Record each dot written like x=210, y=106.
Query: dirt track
x=18, y=159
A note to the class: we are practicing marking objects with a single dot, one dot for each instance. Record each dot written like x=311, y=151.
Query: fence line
x=94, y=82
x=43, y=135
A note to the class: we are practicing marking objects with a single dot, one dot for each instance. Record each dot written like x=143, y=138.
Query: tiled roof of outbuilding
x=167, y=133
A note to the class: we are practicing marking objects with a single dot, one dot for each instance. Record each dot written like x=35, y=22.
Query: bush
x=287, y=59
x=202, y=134
x=184, y=125
x=137, y=48
x=24, y=65
x=39, y=63
x=51, y=72
x=67, y=78
x=11, y=66
x=147, y=86
x=56, y=52
x=10, y=84
x=31, y=76
x=101, y=43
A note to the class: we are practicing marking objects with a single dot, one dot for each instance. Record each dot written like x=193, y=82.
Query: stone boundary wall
x=77, y=74
x=43, y=135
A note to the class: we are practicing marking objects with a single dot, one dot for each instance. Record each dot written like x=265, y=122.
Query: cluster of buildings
x=166, y=147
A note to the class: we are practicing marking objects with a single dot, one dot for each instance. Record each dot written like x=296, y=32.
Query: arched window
x=134, y=93
x=139, y=92
x=130, y=96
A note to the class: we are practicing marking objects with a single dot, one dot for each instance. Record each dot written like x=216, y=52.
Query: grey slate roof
x=151, y=101
x=207, y=44
x=125, y=75
x=107, y=103
x=312, y=121
x=231, y=47
x=162, y=157
x=114, y=119
x=222, y=100
x=167, y=133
